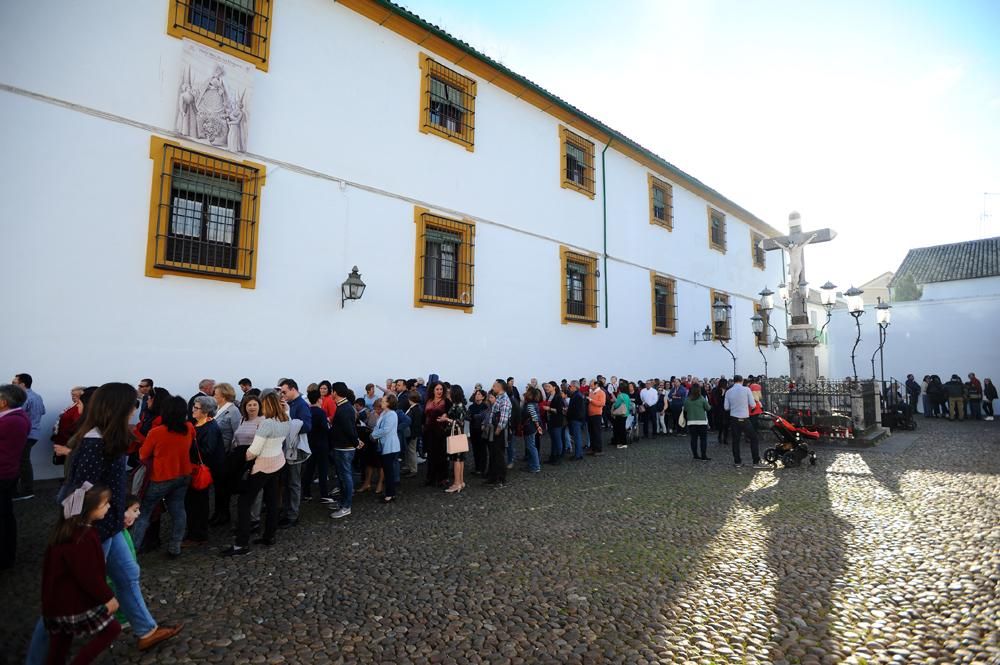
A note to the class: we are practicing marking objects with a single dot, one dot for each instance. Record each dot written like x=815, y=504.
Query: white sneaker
x=341, y=512
x=622, y=446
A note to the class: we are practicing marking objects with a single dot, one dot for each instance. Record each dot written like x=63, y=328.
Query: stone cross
x=795, y=242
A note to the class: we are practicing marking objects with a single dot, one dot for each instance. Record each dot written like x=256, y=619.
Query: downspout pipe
x=604, y=203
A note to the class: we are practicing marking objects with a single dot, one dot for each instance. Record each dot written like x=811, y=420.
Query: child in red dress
x=76, y=599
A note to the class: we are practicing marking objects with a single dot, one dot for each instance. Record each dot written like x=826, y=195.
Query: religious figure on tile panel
x=213, y=98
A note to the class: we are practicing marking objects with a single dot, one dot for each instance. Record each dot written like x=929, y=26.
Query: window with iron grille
x=579, y=287
x=445, y=261
x=764, y=338
x=577, y=167
x=717, y=230
x=661, y=202
x=241, y=28
x=757, y=252
x=720, y=329
x=447, y=103
x=664, y=293
x=203, y=220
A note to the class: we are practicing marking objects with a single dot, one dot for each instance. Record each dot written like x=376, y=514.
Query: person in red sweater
x=166, y=452
x=76, y=598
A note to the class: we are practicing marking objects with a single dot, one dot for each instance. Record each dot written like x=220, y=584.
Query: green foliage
x=907, y=289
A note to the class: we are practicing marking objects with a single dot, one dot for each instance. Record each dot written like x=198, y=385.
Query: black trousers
x=268, y=483
x=8, y=525
x=738, y=427
x=594, y=427
x=648, y=421
x=437, y=457
x=317, y=465
x=619, y=431
x=498, y=457
x=699, y=440
x=196, y=505
x=480, y=451
x=27, y=477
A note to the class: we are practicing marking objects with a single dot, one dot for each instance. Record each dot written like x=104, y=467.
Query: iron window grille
x=239, y=27
x=445, y=261
x=721, y=330
x=579, y=287
x=577, y=162
x=661, y=203
x=664, y=304
x=757, y=252
x=205, y=215
x=716, y=230
x=448, y=103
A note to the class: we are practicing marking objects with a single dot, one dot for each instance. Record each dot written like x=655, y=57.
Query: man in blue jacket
x=298, y=409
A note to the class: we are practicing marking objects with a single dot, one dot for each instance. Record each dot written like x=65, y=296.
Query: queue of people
x=190, y=460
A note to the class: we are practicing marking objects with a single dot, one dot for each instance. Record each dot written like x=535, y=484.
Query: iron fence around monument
x=824, y=405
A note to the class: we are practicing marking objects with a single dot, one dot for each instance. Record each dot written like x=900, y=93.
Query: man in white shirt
x=739, y=402
x=649, y=397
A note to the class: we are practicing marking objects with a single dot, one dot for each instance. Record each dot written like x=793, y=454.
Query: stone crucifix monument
x=801, y=336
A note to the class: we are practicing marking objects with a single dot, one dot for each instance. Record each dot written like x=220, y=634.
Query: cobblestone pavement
x=883, y=555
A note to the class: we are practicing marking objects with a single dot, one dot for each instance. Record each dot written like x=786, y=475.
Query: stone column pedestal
x=801, y=344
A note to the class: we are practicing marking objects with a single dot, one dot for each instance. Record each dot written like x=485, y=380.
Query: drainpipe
x=604, y=203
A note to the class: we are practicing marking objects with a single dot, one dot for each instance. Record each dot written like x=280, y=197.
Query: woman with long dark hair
x=696, y=409
x=457, y=414
x=478, y=410
x=100, y=444
x=435, y=434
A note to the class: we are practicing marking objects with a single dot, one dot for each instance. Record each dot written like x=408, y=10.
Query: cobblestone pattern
x=888, y=555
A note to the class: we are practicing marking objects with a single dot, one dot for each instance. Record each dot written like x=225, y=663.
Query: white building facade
x=179, y=221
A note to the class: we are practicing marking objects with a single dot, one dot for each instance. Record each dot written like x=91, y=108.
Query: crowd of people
x=953, y=399
x=132, y=456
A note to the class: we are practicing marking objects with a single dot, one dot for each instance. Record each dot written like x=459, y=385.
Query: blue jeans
x=556, y=436
x=926, y=402
x=390, y=463
x=576, y=428
x=531, y=450
x=123, y=570
x=173, y=491
x=510, y=448
x=344, y=461
x=567, y=443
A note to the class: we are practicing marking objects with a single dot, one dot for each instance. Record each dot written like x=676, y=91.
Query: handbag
x=682, y=420
x=201, y=476
x=458, y=442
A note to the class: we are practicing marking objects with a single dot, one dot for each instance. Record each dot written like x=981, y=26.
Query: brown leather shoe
x=161, y=634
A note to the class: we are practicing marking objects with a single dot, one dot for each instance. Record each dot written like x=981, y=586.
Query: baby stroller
x=792, y=447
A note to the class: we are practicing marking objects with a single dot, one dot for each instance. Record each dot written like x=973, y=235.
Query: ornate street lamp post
x=883, y=316
x=757, y=321
x=855, y=307
x=721, y=314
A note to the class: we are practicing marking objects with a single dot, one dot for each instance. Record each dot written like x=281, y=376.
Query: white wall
x=941, y=337
x=341, y=98
x=964, y=288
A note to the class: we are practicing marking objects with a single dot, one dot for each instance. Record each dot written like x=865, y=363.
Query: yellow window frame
x=712, y=212
x=252, y=175
x=670, y=284
x=430, y=68
x=713, y=296
x=668, y=202
x=257, y=53
x=590, y=293
x=466, y=228
x=587, y=147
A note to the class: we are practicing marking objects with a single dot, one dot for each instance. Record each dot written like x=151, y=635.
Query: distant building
x=956, y=270
x=877, y=288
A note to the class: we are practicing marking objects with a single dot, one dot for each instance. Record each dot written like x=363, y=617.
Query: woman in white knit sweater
x=268, y=460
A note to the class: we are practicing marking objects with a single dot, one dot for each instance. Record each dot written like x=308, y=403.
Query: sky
x=878, y=119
